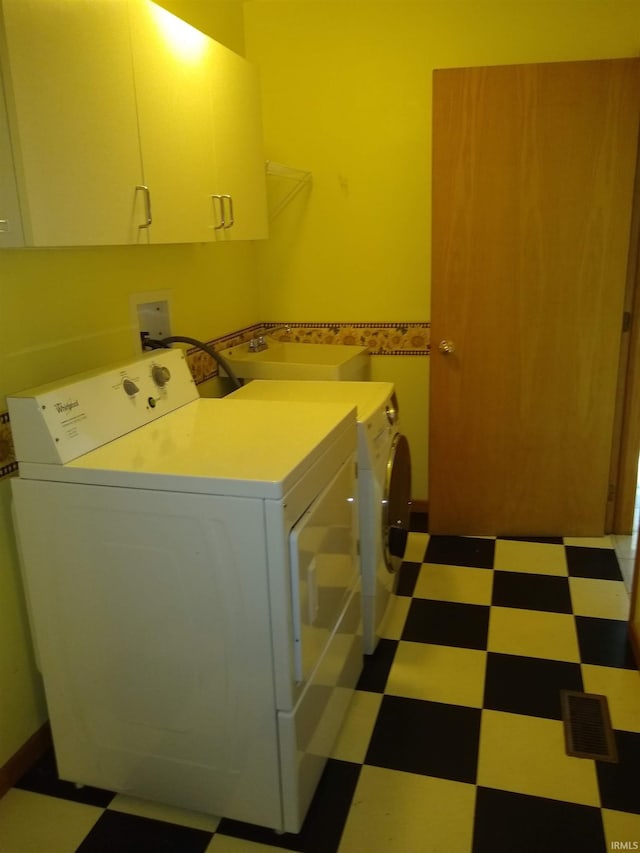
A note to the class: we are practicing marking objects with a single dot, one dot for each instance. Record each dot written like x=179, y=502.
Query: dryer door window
x=397, y=503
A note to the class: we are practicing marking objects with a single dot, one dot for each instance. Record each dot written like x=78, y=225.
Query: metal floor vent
x=587, y=726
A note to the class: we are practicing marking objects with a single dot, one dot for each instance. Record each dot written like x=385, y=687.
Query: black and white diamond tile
x=525, y=685
x=454, y=740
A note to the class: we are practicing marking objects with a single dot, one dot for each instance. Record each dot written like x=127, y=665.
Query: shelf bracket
x=286, y=183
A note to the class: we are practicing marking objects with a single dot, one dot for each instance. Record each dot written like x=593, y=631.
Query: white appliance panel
x=63, y=420
x=308, y=732
x=377, y=428
x=369, y=398
x=324, y=569
x=248, y=449
x=366, y=396
x=153, y=632
x=378, y=583
x=157, y=567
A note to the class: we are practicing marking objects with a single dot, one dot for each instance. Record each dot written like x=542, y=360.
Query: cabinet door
x=71, y=102
x=171, y=63
x=239, y=156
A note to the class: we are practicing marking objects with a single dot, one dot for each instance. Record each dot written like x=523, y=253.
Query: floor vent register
x=587, y=726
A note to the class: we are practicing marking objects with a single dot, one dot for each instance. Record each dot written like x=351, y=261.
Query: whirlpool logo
x=65, y=408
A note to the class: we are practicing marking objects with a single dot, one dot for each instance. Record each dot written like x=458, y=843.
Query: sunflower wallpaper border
x=381, y=339
x=8, y=464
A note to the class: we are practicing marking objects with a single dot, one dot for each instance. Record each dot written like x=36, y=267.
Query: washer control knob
x=160, y=374
x=130, y=387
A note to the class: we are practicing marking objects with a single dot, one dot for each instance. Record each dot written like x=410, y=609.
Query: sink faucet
x=258, y=344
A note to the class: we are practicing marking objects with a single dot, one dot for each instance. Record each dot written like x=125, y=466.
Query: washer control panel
x=60, y=421
x=380, y=429
x=391, y=408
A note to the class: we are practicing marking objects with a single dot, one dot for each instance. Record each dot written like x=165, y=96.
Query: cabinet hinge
x=626, y=321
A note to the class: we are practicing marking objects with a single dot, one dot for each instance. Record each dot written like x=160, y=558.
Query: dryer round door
x=397, y=502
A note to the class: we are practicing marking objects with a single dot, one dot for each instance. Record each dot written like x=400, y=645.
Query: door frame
x=634, y=613
x=625, y=449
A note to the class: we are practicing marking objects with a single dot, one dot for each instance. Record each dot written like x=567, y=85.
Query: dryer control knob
x=160, y=375
x=130, y=387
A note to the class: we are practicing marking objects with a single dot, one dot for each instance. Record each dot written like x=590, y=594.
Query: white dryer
x=384, y=481
x=193, y=586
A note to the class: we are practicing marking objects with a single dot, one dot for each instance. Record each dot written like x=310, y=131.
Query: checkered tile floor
x=454, y=741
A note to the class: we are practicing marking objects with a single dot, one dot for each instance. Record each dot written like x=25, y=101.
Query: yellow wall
x=346, y=88
x=347, y=95
x=67, y=310
x=220, y=19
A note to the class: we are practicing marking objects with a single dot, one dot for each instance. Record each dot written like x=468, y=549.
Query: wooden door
x=533, y=170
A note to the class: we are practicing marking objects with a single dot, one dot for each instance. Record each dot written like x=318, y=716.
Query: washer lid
x=368, y=397
x=213, y=446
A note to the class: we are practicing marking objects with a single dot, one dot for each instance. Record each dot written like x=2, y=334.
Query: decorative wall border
x=404, y=339
x=203, y=367
x=380, y=338
x=8, y=464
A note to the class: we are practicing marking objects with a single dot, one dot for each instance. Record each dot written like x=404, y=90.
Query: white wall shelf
x=283, y=184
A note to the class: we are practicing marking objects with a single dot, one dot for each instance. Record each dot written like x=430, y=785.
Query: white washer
x=384, y=481
x=193, y=586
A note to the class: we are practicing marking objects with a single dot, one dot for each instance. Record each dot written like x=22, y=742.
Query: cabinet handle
x=229, y=223
x=147, y=206
x=219, y=218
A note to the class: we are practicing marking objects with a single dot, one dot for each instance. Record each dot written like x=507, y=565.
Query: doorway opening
x=626, y=546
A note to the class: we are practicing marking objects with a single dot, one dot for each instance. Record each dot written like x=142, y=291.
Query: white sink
x=293, y=360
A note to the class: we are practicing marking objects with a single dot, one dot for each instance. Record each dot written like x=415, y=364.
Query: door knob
x=446, y=347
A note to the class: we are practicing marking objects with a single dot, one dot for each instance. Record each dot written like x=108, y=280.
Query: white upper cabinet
x=72, y=113
x=171, y=65
x=239, y=157
x=112, y=118
x=200, y=132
